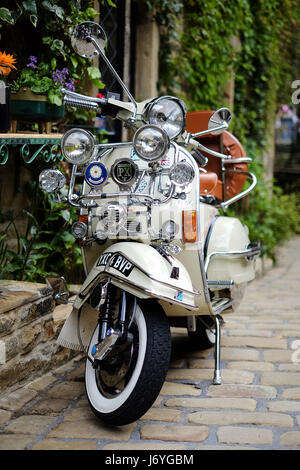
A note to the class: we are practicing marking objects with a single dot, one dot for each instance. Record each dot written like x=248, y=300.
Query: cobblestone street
x=256, y=407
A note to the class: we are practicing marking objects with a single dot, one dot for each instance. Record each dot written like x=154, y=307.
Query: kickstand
x=217, y=373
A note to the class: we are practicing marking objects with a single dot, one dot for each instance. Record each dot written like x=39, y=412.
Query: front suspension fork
x=108, y=336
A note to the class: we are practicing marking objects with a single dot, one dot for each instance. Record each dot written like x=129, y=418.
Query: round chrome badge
x=124, y=172
x=95, y=174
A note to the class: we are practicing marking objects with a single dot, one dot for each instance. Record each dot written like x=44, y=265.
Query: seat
x=217, y=182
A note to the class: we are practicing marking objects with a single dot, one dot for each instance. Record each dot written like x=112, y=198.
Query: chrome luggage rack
x=225, y=160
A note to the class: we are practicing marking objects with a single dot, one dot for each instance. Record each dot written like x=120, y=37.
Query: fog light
x=51, y=179
x=77, y=146
x=182, y=174
x=79, y=229
x=151, y=143
x=169, y=230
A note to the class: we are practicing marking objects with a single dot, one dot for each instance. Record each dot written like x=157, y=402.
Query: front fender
x=141, y=270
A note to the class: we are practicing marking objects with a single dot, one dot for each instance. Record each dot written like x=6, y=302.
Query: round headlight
x=151, y=143
x=182, y=174
x=77, y=146
x=168, y=113
x=51, y=179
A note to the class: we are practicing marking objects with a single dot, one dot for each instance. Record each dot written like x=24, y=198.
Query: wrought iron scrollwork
x=48, y=152
x=30, y=149
x=3, y=154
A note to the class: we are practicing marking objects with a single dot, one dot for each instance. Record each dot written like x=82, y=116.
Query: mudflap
x=78, y=328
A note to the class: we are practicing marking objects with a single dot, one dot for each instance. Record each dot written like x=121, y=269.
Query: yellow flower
x=6, y=63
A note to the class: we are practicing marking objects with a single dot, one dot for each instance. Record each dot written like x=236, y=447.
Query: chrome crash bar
x=252, y=251
x=244, y=193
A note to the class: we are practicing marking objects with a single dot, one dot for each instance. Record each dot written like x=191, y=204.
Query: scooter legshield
x=136, y=268
x=141, y=270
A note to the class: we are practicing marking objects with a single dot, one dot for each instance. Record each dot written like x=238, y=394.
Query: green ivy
x=197, y=59
x=271, y=215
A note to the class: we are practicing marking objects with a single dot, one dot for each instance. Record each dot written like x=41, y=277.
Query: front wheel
x=123, y=386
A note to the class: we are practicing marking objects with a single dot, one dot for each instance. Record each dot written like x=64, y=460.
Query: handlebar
x=78, y=103
x=102, y=106
x=79, y=96
x=71, y=98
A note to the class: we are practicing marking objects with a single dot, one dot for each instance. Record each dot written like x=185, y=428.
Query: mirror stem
x=109, y=65
x=209, y=131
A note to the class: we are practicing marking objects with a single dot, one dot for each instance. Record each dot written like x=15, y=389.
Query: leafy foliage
x=48, y=24
x=46, y=246
x=204, y=41
x=203, y=44
x=271, y=215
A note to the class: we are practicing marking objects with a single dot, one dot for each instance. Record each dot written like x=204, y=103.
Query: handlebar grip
x=201, y=159
x=80, y=103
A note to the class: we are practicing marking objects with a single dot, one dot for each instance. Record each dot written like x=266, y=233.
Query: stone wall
x=29, y=325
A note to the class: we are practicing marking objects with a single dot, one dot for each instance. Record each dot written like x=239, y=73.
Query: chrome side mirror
x=59, y=288
x=220, y=120
x=88, y=39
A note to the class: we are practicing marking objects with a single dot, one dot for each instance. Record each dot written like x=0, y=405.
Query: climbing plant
x=204, y=43
x=198, y=56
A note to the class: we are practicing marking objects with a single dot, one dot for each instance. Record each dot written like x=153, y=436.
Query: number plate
x=120, y=263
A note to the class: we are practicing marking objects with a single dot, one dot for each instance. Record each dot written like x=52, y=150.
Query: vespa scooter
x=156, y=250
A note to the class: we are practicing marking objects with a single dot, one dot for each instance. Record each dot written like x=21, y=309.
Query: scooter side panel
x=229, y=234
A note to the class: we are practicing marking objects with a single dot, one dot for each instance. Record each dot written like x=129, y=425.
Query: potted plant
x=42, y=30
x=6, y=64
x=36, y=92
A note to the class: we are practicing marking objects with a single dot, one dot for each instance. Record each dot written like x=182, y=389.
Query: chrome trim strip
x=109, y=275
x=238, y=160
x=117, y=253
x=223, y=284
